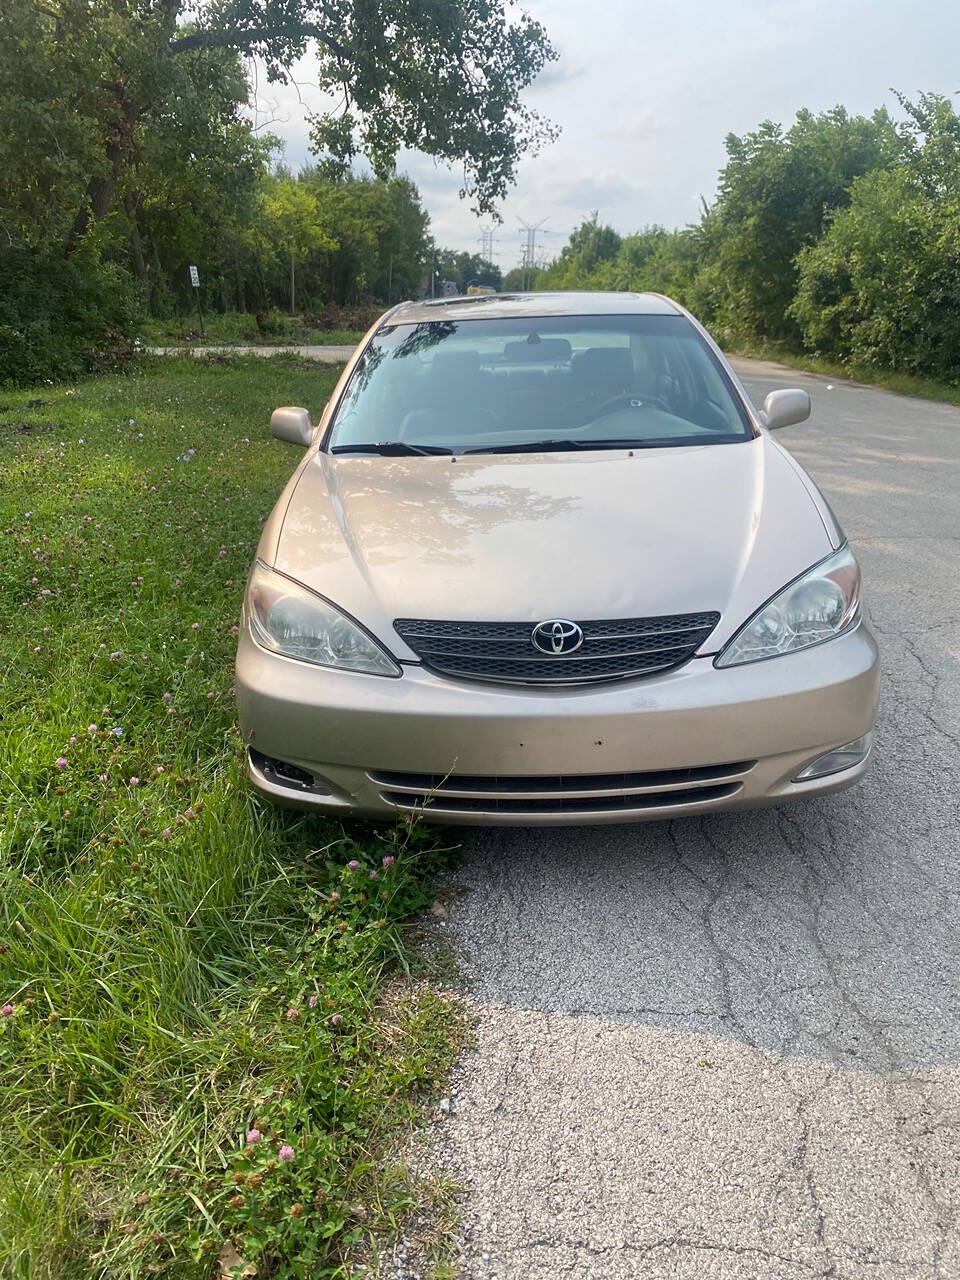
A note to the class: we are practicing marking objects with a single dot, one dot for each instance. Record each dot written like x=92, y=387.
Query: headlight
x=813, y=608
x=290, y=619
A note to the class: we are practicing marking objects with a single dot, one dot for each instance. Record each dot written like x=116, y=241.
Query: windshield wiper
x=552, y=446
x=392, y=449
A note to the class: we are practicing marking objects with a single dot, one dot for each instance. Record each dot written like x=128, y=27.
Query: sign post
x=195, y=281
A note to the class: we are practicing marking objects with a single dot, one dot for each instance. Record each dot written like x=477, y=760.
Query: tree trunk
x=136, y=249
x=103, y=188
x=262, y=286
x=241, y=290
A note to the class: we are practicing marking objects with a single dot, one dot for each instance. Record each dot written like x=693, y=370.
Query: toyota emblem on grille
x=557, y=635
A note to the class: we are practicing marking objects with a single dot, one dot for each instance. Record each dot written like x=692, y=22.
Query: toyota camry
x=544, y=562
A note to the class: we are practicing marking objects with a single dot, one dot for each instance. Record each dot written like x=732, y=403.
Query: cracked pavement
x=730, y=1045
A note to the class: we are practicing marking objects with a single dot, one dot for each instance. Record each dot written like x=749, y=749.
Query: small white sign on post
x=195, y=281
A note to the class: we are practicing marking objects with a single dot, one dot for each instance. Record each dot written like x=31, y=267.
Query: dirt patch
x=28, y=428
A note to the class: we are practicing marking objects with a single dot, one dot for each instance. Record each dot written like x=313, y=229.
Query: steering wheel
x=629, y=401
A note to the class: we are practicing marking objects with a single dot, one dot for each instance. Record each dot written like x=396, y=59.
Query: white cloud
x=645, y=93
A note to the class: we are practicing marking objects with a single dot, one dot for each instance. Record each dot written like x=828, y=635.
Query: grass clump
x=905, y=384
x=205, y=1054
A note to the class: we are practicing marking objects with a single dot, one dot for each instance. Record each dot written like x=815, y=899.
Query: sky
x=644, y=93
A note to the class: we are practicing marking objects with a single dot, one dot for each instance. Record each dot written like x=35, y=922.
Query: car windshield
x=524, y=384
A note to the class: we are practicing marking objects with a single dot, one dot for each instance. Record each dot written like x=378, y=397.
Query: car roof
x=492, y=306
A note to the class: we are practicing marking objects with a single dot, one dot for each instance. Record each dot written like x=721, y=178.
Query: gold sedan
x=543, y=562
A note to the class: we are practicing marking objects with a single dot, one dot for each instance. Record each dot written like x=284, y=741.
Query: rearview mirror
x=293, y=425
x=784, y=408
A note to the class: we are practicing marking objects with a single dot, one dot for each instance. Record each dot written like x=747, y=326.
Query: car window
x=574, y=381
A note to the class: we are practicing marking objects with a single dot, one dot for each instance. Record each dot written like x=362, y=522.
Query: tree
x=445, y=78
x=295, y=224
x=775, y=194
x=465, y=269
x=381, y=230
x=193, y=189
x=404, y=243
x=576, y=266
x=882, y=286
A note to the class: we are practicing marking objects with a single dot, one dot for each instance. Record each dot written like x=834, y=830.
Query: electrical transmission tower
x=528, y=260
x=486, y=244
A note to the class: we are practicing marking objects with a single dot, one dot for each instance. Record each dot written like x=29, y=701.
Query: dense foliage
x=839, y=235
x=203, y=1053
x=130, y=155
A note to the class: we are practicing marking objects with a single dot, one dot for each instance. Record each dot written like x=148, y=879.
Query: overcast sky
x=645, y=92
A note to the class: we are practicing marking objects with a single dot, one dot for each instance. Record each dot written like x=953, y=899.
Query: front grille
x=561, y=793
x=564, y=804
x=612, y=650
x=507, y=784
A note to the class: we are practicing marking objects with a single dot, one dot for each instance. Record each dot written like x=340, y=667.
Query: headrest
x=546, y=351
x=607, y=367
x=455, y=363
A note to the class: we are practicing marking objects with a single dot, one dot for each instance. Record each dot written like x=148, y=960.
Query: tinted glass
x=569, y=381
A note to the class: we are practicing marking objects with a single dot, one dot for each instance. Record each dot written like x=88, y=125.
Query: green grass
x=906, y=384
x=177, y=965
x=239, y=328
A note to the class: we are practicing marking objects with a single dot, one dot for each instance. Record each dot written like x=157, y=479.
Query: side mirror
x=293, y=425
x=784, y=408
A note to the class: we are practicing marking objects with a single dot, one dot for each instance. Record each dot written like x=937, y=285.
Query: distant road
x=328, y=355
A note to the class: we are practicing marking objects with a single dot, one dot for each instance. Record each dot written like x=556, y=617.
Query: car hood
x=525, y=537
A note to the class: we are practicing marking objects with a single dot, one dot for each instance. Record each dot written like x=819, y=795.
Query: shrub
x=62, y=317
x=882, y=288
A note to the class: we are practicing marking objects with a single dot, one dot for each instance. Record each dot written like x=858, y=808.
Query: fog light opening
x=284, y=774
x=837, y=760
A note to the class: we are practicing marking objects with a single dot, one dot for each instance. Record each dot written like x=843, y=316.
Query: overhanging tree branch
x=244, y=37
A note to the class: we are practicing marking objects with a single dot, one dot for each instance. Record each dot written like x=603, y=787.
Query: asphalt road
x=730, y=1046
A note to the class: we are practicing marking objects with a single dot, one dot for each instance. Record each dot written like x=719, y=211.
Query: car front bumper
x=693, y=740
